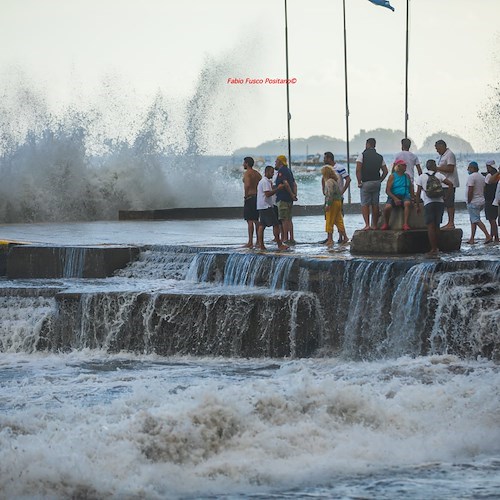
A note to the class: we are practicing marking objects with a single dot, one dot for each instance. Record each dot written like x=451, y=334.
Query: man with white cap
x=490, y=188
x=475, y=202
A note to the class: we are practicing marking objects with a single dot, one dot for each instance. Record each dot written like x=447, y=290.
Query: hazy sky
x=70, y=47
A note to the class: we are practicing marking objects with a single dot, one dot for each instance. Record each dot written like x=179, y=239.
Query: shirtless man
x=251, y=180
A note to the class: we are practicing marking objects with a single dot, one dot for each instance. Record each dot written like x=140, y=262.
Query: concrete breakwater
x=229, y=212
x=214, y=301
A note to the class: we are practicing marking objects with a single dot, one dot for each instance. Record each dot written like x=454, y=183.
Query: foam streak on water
x=86, y=424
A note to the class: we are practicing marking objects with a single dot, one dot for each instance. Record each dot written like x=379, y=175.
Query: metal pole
x=289, y=117
x=406, y=67
x=346, y=106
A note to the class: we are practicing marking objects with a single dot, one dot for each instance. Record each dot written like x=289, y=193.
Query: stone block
x=402, y=242
x=415, y=221
x=29, y=261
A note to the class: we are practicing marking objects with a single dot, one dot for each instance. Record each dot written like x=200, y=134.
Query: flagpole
x=346, y=105
x=406, y=67
x=289, y=117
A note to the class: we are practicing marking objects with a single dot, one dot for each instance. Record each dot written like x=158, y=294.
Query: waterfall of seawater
x=73, y=262
x=217, y=302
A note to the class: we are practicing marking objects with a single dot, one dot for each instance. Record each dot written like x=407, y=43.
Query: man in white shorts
x=475, y=202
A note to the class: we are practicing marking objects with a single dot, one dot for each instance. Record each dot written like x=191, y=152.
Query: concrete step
x=31, y=261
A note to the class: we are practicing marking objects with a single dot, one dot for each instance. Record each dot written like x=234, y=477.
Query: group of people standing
x=269, y=200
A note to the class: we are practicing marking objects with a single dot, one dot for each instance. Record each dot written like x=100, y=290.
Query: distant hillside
x=455, y=143
x=388, y=141
x=301, y=147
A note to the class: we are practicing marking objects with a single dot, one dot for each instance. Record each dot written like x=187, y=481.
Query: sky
x=139, y=48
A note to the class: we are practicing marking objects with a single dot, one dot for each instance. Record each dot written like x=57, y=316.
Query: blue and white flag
x=382, y=3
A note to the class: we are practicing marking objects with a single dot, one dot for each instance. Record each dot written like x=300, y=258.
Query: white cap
x=490, y=163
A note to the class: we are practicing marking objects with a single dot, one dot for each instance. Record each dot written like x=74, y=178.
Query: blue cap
x=473, y=164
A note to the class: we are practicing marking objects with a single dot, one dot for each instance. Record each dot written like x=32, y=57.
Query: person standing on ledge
x=333, y=204
x=369, y=164
x=285, y=196
x=344, y=180
x=447, y=165
x=265, y=206
x=430, y=188
x=491, y=211
x=411, y=159
x=475, y=202
x=251, y=180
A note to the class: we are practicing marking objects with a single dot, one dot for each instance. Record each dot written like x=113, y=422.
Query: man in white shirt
x=447, y=165
x=411, y=159
x=475, y=202
x=265, y=207
x=433, y=206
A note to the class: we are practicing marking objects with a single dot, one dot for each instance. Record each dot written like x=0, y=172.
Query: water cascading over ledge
x=226, y=303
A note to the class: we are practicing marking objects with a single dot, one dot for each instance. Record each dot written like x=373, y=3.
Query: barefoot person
x=475, y=202
x=491, y=211
x=251, y=179
x=399, y=191
x=447, y=165
x=265, y=206
x=430, y=188
x=369, y=164
x=286, y=195
x=344, y=180
x=333, y=205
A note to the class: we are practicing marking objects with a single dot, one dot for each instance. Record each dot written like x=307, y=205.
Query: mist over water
x=91, y=159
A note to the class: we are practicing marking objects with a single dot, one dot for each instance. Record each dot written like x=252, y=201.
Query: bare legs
x=480, y=225
x=494, y=229
x=451, y=218
x=433, y=233
x=276, y=232
x=365, y=211
x=406, y=214
x=251, y=225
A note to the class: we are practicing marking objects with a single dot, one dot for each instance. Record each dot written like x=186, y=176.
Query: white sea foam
x=127, y=427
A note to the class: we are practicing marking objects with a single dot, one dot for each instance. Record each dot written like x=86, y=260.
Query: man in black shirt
x=369, y=165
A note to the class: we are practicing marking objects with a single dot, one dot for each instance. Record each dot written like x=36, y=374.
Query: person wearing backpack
x=430, y=190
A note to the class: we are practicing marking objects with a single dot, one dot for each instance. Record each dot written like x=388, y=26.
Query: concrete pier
x=231, y=212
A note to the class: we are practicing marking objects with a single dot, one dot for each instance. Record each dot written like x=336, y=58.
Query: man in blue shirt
x=285, y=196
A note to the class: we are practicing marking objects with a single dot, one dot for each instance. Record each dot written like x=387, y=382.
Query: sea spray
x=88, y=162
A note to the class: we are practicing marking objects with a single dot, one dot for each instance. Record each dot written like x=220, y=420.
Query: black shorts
x=491, y=211
x=250, y=208
x=433, y=213
x=268, y=218
x=449, y=197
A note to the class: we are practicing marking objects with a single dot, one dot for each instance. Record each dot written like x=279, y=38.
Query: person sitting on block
x=399, y=191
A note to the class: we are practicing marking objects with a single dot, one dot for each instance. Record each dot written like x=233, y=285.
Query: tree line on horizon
x=388, y=141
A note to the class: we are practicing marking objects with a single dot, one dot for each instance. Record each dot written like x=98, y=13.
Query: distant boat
x=311, y=162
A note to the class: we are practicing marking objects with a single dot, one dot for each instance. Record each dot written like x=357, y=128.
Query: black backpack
x=434, y=188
